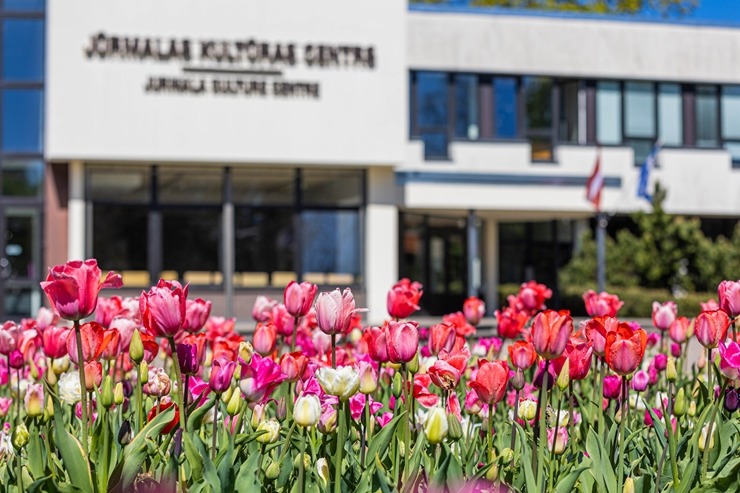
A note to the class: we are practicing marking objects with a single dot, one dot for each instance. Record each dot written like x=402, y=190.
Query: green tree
x=667, y=8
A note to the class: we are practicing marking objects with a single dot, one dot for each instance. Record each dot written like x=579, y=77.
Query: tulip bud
x=106, y=392
x=51, y=377
x=492, y=473
x=235, y=404
x=435, y=425
x=20, y=436
x=507, y=455
x=34, y=400
x=670, y=370
x=680, y=403
x=731, y=401
x=368, y=379
x=49, y=411
x=397, y=385
x=136, y=347
x=564, y=377
x=125, y=434
x=328, y=421
x=271, y=429
x=34, y=370
x=272, y=471
x=60, y=365
x=413, y=365
x=143, y=373
x=118, y=396
x=322, y=468
x=307, y=410
x=246, y=351
x=517, y=381
x=527, y=409
x=454, y=428
x=629, y=486
x=282, y=409
x=640, y=380
x=703, y=438
x=226, y=395
x=692, y=409
x=257, y=413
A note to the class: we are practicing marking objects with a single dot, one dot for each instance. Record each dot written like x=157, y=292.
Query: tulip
x=436, y=426
x=107, y=309
x=15, y=360
x=264, y=339
x=664, y=315
x=660, y=361
x=284, y=321
x=328, y=420
x=262, y=309
x=447, y=370
x=95, y=340
x=474, y=310
x=106, y=392
x=625, y=349
x=377, y=344
x=93, y=375
x=441, y=336
x=160, y=408
x=5, y=403
x=680, y=403
x=602, y=304
x=55, y=341
x=596, y=330
x=187, y=355
x=550, y=332
x=298, y=298
x=136, y=347
x=670, y=370
x=293, y=365
x=679, y=330
x=527, y=410
x=640, y=381
x=675, y=350
x=72, y=288
x=21, y=437
x=403, y=298
x=259, y=378
x=118, y=395
x=403, y=341
x=522, y=354
x=729, y=297
x=612, y=386
x=564, y=376
x=196, y=314
x=368, y=378
x=307, y=410
x=629, y=485
x=510, y=322
x=533, y=295
x=560, y=441
x=271, y=429
x=703, y=438
x=579, y=359
x=731, y=403
x=158, y=383
x=163, y=308
x=342, y=382
x=490, y=381
x=729, y=363
x=222, y=371
x=711, y=328
x=10, y=337
x=34, y=400
x=334, y=311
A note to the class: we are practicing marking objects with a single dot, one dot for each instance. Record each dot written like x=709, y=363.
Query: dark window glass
x=264, y=240
x=191, y=243
x=707, y=118
x=120, y=236
x=22, y=120
x=568, y=128
x=641, y=148
x=538, y=102
x=466, y=107
x=505, y=104
x=432, y=112
x=17, y=302
x=22, y=177
x=23, y=4
x=21, y=239
x=130, y=184
x=266, y=186
x=332, y=187
x=23, y=49
x=189, y=185
x=331, y=243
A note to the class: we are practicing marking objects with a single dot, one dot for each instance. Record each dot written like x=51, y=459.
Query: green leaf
x=73, y=455
x=247, y=480
x=195, y=419
x=226, y=469
x=526, y=460
x=567, y=484
x=193, y=456
x=379, y=443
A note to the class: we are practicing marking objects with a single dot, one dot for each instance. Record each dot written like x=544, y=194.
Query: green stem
x=620, y=476
x=106, y=452
x=407, y=424
x=334, y=351
x=178, y=375
x=513, y=426
x=365, y=425
x=671, y=436
x=708, y=440
x=571, y=423
x=301, y=468
x=215, y=427
x=555, y=441
x=83, y=386
x=139, y=400
x=542, y=440
x=341, y=438
x=295, y=334
x=490, y=431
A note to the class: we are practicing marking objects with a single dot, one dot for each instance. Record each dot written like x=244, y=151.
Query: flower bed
x=155, y=394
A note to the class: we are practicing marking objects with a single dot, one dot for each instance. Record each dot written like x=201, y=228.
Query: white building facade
x=237, y=146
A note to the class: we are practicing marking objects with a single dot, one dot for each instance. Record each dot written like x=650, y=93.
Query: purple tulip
x=187, y=355
x=221, y=373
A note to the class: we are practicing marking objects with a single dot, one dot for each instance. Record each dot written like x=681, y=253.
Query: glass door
x=20, y=262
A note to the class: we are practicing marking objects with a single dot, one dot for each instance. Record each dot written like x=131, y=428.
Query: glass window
x=191, y=240
x=608, y=113
x=670, y=114
x=130, y=184
x=264, y=239
x=266, y=186
x=734, y=149
x=707, y=133
x=189, y=185
x=639, y=110
x=538, y=102
x=332, y=187
x=22, y=177
x=641, y=147
x=731, y=112
x=466, y=107
x=21, y=239
x=23, y=49
x=568, y=128
x=22, y=120
x=331, y=242
x=23, y=4
x=120, y=236
x=505, y=105
x=431, y=112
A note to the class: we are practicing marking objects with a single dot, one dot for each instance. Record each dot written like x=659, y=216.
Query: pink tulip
x=107, y=310
x=729, y=363
x=259, y=378
x=449, y=368
x=5, y=403
x=95, y=340
x=384, y=419
x=602, y=304
x=612, y=386
x=660, y=361
x=675, y=350
x=709, y=306
x=490, y=381
x=596, y=330
x=197, y=312
x=403, y=298
x=10, y=337
x=334, y=311
x=711, y=327
x=264, y=339
x=474, y=310
x=72, y=288
x=679, y=330
x=533, y=296
x=729, y=297
x=403, y=341
x=357, y=405
x=93, y=375
x=222, y=370
x=283, y=320
x=377, y=344
x=45, y=318
x=441, y=336
x=664, y=315
x=640, y=380
x=262, y=308
x=298, y=298
x=550, y=332
x=163, y=308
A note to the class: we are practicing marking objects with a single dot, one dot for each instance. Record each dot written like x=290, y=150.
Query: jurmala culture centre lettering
x=238, y=145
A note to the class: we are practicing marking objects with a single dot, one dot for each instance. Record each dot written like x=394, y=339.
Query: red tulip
x=163, y=406
x=664, y=315
x=403, y=298
x=711, y=327
x=298, y=298
x=334, y=311
x=377, y=344
x=510, y=322
x=625, y=348
x=197, y=312
x=421, y=392
x=602, y=304
x=447, y=370
x=579, y=360
x=729, y=297
x=163, y=308
x=474, y=309
x=73, y=288
x=679, y=330
x=55, y=341
x=596, y=330
x=283, y=320
x=94, y=341
x=533, y=295
x=264, y=339
x=550, y=332
x=112, y=349
x=522, y=354
x=441, y=336
x=458, y=320
x=293, y=365
x=107, y=310
x=403, y=341
x=490, y=381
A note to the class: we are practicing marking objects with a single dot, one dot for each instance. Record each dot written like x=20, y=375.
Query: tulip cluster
x=126, y=394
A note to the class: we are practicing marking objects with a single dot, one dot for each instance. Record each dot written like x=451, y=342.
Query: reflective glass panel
x=22, y=121
x=466, y=107
x=120, y=236
x=130, y=184
x=639, y=109
x=332, y=187
x=264, y=239
x=22, y=177
x=731, y=112
x=538, y=102
x=189, y=185
x=505, y=104
x=707, y=121
x=263, y=186
x=190, y=242
x=23, y=49
x=331, y=242
x=608, y=113
x=670, y=114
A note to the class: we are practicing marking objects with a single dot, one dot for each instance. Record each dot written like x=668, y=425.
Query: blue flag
x=647, y=167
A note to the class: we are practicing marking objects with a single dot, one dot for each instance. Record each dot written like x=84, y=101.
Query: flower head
x=163, y=308
x=403, y=298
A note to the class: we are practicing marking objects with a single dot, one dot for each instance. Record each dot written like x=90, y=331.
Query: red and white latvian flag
x=595, y=184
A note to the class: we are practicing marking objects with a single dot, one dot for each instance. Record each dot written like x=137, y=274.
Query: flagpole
x=601, y=221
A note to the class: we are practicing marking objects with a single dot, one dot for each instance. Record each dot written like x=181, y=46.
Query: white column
x=491, y=264
x=381, y=241
x=76, y=212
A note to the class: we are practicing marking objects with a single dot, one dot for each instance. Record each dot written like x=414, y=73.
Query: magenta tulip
x=729, y=297
x=197, y=312
x=298, y=298
x=163, y=308
x=222, y=371
x=403, y=341
x=729, y=363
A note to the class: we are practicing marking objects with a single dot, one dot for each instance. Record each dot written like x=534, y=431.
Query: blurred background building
x=239, y=145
